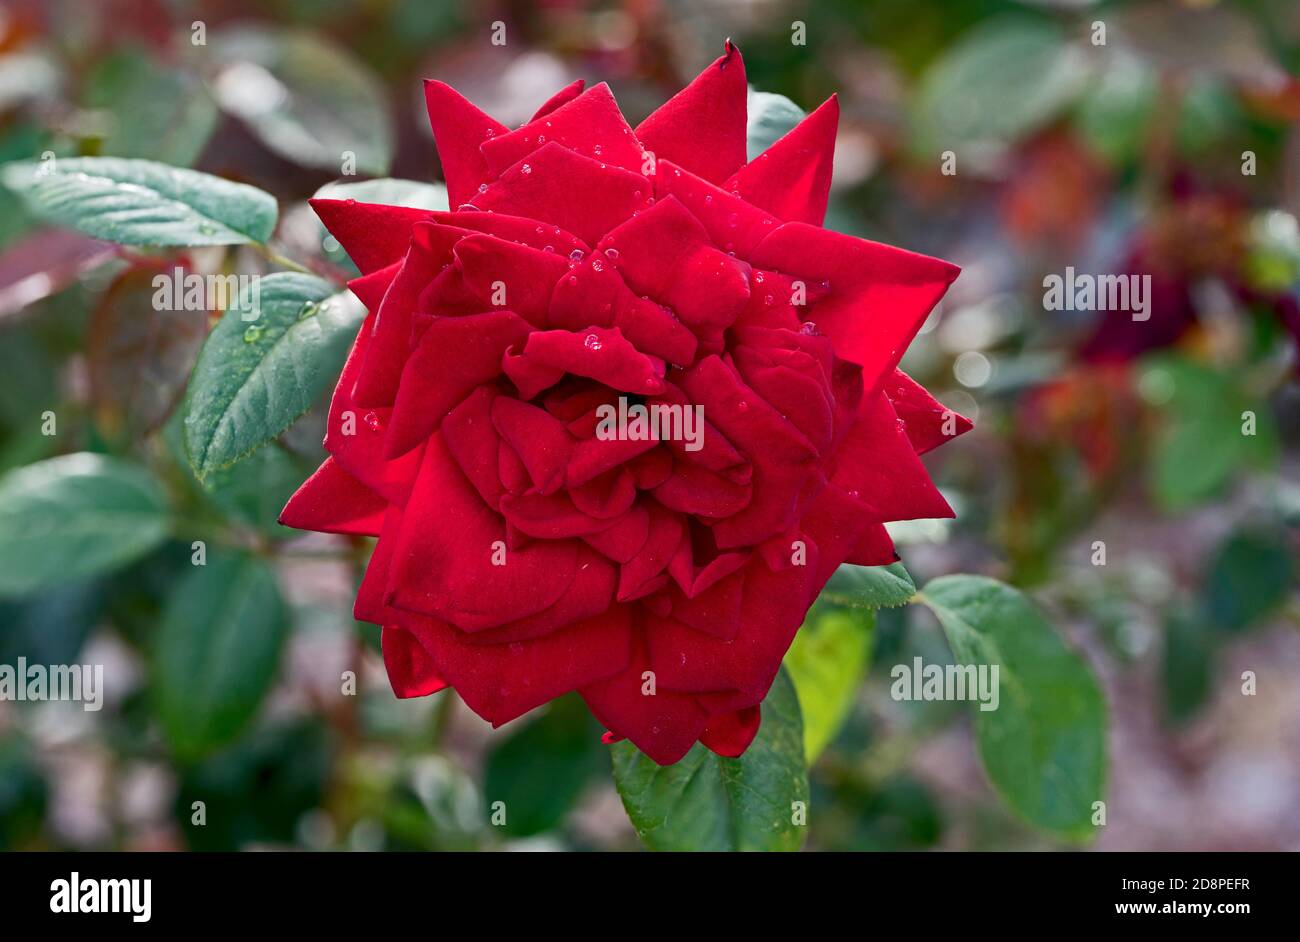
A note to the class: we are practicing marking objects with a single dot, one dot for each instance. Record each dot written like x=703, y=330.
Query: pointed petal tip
x=560, y=98
x=729, y=51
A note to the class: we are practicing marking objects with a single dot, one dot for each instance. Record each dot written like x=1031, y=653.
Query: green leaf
x=74, y=516
x=1208, y=113
x=51, y=627
x=1044, y=746
x=254, y=490
x=1187, y=665
x=540, y=771
x=388, y=190
x=307, y=99
x=287, y=769
x=898, y=813
x=869, y=586
x=24, y=795
x=707, y=802
x=770, y=118
x=826, y=662
x=1115, y=113
x=264, y=365
x=1250, y=577
x=1000, y=81
x=151, y=111
x=217, y=651
x=1202, y=443
x=139, y=202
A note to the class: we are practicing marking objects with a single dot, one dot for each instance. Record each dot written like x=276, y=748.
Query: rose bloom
x=521, y=555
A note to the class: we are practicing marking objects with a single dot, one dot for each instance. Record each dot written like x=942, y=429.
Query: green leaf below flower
x=708, y=802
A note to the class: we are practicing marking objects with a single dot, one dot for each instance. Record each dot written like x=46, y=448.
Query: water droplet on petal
x=482, y=187
x=810, y=329
x=526, y=168
x=253, y=333
x=592, y=342
x=372, y=421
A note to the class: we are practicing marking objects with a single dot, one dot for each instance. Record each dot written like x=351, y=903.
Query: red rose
x=522, y=555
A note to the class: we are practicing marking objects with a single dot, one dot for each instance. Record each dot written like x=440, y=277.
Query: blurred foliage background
x=1108, y=475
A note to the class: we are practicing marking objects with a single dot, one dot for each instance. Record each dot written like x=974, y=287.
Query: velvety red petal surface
x=586, y=267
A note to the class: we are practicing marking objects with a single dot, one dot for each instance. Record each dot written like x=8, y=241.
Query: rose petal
x=373, y=235
x=333, y=501
x=730, y=734
x=500, y=682
x=563, y=96
x=928, y=421
x=590, y=124
x=878, y=466
x=459, y=129
x=663, y=726
x=792, y=178
x=542, y=187
x=537, y=438
x=455, y=355
x=878, y=295
x=702, y=127
x=601, y=353
x=443, y=560
x=505, y=274
x=410, y=667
